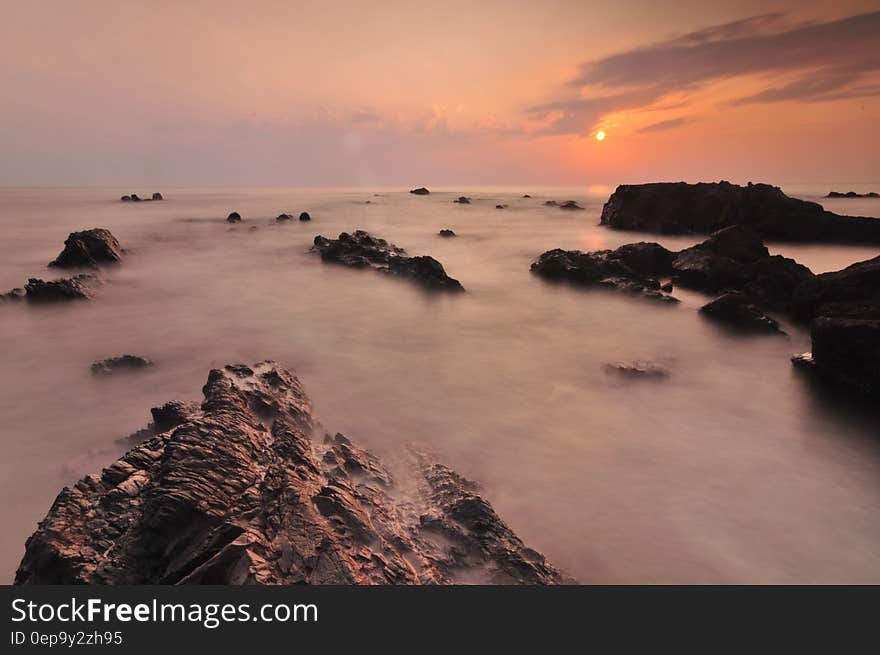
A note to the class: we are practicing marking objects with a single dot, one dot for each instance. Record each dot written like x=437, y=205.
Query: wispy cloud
x=662, y=126
x=805, y=62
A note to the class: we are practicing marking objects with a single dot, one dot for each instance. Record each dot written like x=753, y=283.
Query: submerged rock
x=363, y=250
x=570, y=204
x=736, y=310
x=239, y=493
x=551, y=203
x=421, y=191
x=680, y=208
x=526, y=195
x=121, y=363
x=463, y=200
x=234, y=217
x=629, y=268
x=500, y=206
x=89, y=248
x=77, y=287
x=446, y=233
x=637, y=369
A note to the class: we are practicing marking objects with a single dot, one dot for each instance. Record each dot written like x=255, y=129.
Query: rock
x=446, y=233
x=304, y=216
x=121, y=363
x=135, y=197
x=234, y=217
x=363, y=250
x=803, y=360
x=126, y=198
x=645, y=370
x=852, y=194
x=157, y=196
x=239, y=493
x=500, y=206
x=846, y=354
x=680, y=208
x=666, y=287
x=421, y=191
x=89, y=248
x=570, y=204
x=462, y=200
x=17, y=293
x=283, y=217
x=736, y=310
x=526, y=195
x=70, y=288
x=172, y=414
x=629, y=268
x=853, y=292
x=551, y=203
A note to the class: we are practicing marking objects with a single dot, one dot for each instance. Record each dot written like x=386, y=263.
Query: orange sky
x=401, y=93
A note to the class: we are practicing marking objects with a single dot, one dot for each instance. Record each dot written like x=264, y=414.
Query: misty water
x=734, y=469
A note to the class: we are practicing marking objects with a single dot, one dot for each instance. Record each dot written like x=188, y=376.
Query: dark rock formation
x=238, y=493
x=853, y=292
x=120, y=363
x=421, y=191
x=234, y=217
x=636, y=370
x=500, y=206
x=736, y=310
x=463, y=200
x=304, y=216
x=446, y=233
x=570, y=204
x=77, y=287
x=157, y=196
x=89, y=248
x=125, y=198
x=852, y=194
x=526, y=195
x=363, y=250
x=135, y=197
x=846, y=354
x=667, y=287
x=283, y=217
x=629, y=268
x=680, y=208
x=551, y=203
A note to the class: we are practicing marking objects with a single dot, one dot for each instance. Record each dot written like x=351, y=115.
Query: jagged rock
x=89, y=248
x=283, y=217
x=363, y=250
x=77, y=287
x=238, y=493
x=173, y=413
x=852, y=194
x=637, y=369
x=680, y=208
x=120, y=363
x=629, y=268
x=736, y=310
x=234, y=217
x=570, y=204
x=446, y=233
x=853, y=292
x=158, y=196
x=304, y=216
x=463, y=200
x=846, y=354
x=421, y=191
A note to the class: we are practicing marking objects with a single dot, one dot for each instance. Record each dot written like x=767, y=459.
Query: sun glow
x=600, y=135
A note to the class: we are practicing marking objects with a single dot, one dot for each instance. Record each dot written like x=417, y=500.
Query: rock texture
x=737, y=311
x=853, y=292
x=238, y=493
x=363, y=250
x=680, y=208
x=112, y=365
x=77, y=287
x=89, y=249
x=846, y=354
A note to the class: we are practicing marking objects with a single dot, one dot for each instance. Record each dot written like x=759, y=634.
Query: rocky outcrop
x=239, y=493
x=421, y=191
x=446, y=233
x=89, y=249
x=363, y=250
x=853, y=292
x=631, y=268
x=852, y=194
x=737, y=311
x=234, y=217
x=77, y=287
x=846, y=354
x=680, y=208
x=112, y=365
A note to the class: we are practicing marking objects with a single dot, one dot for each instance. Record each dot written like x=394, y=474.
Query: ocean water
x=734, y=469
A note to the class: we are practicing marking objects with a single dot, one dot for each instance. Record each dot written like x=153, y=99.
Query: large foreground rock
x=680, y=208
x=363, y=250
x=239, y=493
x=853, y=292
x=846, y=354
x=89, y=248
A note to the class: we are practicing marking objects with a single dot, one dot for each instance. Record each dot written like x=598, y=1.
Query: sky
x=331, y=93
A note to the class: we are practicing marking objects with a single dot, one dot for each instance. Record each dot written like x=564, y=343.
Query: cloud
x=662, y=126
x=829, y=61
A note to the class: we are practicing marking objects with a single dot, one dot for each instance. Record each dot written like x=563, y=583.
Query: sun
x=600, y=135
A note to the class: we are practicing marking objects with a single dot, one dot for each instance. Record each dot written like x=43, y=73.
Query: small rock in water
x=570, y=204
x=283, y=217
x=234, y=217
x=121, y=363
x=446, y=233
x=305, y=217
x=158, y=196
x=421, y=191
x=738, y=311
x=463, y=200
x=89, y=248
x=500, y=206
x=551, y=203
x=637, y=369
x=125, y=198
x=135, y=197
x=526, y=195
x=68, y=288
